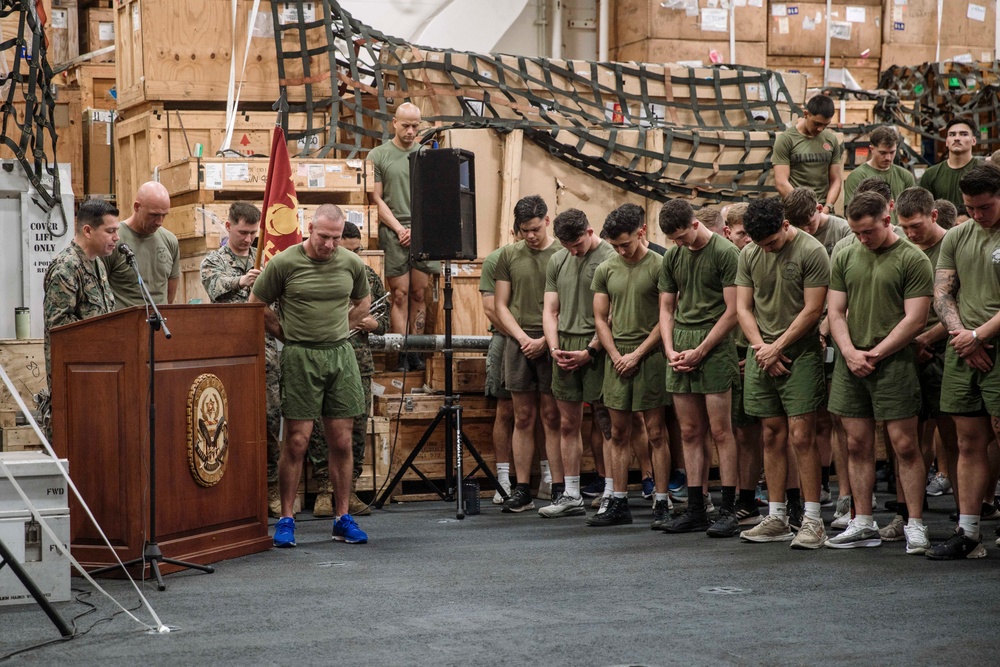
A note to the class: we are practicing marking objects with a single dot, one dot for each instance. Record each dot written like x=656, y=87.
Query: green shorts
x=740, y=417
x=522, y=374
x=642, y=391
x=321, y=381
x=930, y=382
x=583, y=384
x=799, y=393
x=718, y=372
x=397, y=258
x=494, y=367
x=891, y=392
x=965, y=390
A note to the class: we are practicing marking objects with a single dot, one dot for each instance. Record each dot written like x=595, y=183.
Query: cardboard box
x=97, y=30
x=637, y=20
x=863, y=71
x=800, y=29
x=966, y=24
x=697, y=53
x=908, y=55
x=98, y=139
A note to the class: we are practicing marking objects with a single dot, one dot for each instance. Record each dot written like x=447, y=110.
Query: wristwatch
x=592, y=351
x=975, y=335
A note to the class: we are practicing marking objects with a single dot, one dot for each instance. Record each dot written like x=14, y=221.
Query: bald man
x=157, y=252
x=407, y=278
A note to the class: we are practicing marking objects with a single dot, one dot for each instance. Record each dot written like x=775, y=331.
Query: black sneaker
x=987, y=513
x=689, y=522
x=748, y=516
x=726, y=525
x=594, y=489
x=416, y=361
x=661, y=514
x=518, y=501
x=957, y=547
x=617, y=514
x=795, y=513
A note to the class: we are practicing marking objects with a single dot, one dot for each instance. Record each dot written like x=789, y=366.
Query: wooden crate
x=62, y=29
x=182, y=50
x=8, y=418
x=24, y=362
x=97, y=30
x=392, y=384
x=375, y=471
x=96, y=82
x=208, y=180
x=190, y=288
x=20, y=439
x=467, y=316
x=68, y=121
x=468, y=375
x=152, y=135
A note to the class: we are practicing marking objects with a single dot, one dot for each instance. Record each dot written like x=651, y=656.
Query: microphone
x=125, y=250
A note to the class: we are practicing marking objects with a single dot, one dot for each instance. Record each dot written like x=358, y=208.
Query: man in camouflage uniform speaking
x=375, y=323
x=76, y=282
x=228, y=274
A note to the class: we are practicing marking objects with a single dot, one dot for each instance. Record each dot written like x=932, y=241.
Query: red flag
x=279, y=222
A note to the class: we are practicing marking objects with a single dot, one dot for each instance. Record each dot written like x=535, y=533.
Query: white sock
x=620, y=494
x=659, y=497
x=864, y=520
x=503, y=473
x=546, y=475
x=609, y=486
x=915, y=522
x=779, y=510
x=812, y=511
x=969, y=523
x=573, y=486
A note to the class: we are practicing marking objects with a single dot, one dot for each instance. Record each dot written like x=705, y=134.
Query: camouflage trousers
x=272, y=366
x=317, y=451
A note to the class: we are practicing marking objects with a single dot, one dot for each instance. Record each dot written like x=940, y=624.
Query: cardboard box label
x=897, y=15
x=213, y=176
x=715, y=20
x=779, y=10
x=136, y=20
x=976, y=12
x=856, y=15
x=783, y=25
x=237, y=171
x=793, y=11
x=59, y=18
x=290, y=13
x=840, y=30
x=106, y=31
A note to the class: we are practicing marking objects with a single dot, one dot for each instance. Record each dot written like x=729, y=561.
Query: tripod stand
x=151, y=550
x=451, y=414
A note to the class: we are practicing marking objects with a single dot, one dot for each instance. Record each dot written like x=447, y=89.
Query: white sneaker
x=544, y=490
x=825, y=499
x=497, y=498
x=917, y=541
x=856, y=536
x=709, y=507
x=842, y=521
x=565, y=506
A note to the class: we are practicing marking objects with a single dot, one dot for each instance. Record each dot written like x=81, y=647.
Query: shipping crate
x=64, y=38
x=96, y=83
x=695, y=53
x=467, y=316
x=969, y=26
x=392, y=383
x=637, y=20
x=21, y=439
x=916, y=54
x=189, y=288
x=97, y=31
x=207, y=180
x=182, y=50
x=98, y=157
x=153, y=135
x=68, y=121
x=799, y=29
x=374, y=473
x=24, y=362
x=468, y=374
x=864, y=71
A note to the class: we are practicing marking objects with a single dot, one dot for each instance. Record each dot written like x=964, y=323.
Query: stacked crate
x=911, y=35
x=24, y=362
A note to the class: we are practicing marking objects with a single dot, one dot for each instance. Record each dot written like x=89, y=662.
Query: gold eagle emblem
x=207, y=429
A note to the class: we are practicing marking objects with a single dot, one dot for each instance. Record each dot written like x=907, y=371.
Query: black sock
x=728, y=498
x=793, y=496
x=747, y=499
x=524, y=487
x=558, y=488
x=696, y=499
x=902, y=511
x=825, y=472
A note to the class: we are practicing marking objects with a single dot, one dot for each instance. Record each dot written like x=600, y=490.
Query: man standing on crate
x=157, y=252
x=407, y=278
x=808, y=154
x=315, y=284
x=376, y=323
x=227, y=275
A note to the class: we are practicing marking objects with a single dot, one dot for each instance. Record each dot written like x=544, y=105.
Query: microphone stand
x=151, y=551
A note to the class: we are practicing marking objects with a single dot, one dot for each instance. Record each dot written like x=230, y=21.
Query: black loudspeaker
x=442, y=204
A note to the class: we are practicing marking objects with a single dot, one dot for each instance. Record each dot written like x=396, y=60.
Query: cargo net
x=655, y=130
x=28, y=130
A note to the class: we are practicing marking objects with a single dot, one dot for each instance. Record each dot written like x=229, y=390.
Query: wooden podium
x=100, y=377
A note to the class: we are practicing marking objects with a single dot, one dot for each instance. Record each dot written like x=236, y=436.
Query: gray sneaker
x=771, y=529
x=895, y=531
x=939, y=486
x=842, y=515
x=810, y=536
x=565, y=506
x=856, y=536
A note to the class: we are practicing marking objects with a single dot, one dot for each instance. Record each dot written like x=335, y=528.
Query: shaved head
x=405, y=124
x=152, y=203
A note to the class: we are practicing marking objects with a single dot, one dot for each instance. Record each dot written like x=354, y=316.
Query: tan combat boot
x=356, y=506
x=324, y=500
x=273, y=500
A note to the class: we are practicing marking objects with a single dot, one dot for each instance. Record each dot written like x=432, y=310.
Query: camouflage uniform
x=221, y=271
x=75, y=288
x=317, y=441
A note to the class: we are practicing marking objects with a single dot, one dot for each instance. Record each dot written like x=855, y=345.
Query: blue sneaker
x=594, y=489
x=648, y=487
x=284, y=533
x=678, y=487
x=346, y=530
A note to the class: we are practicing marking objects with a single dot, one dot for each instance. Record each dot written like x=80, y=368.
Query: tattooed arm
x=970, y=348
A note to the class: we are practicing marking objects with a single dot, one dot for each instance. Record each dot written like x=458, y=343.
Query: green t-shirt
x=158, y=257
x=779, y=280
x=832, y=232
x=932, y=254
x=313, y=297
x=877, y=284
x=974, y=253
x=942, y=181
x=898, y=179
x=698, y=278
x=850, y=239
x=635, y=301
x=808, y=158
x=524, y=269
x=392, y=169
x=487, y=280
x=571, y=278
